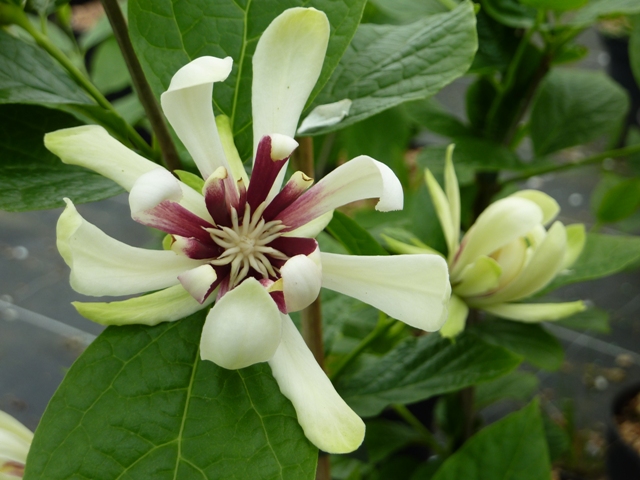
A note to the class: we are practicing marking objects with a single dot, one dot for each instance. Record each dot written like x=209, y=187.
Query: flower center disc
x=246, y=244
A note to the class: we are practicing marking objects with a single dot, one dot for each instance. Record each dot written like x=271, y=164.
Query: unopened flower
x=15, y=441
x=506, y=256
x=246, y=243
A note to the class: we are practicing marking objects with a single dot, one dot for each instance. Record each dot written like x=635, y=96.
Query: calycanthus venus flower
x=506, y=256
x=15, y=441
x=245, y=243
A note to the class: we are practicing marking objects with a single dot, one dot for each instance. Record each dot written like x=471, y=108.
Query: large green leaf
x=353, y=237
x=29, y=75
x=420, y=368
x=596, y=9
x=31, y=177
x=167, y=34
x=619, y=202
x=140, y=404
x=387, y=65
x=533, y=342
x=510, y=12
x=514, y=448
x=603, y=255
x=634, y=48
x=518, y=386
x=573, y=107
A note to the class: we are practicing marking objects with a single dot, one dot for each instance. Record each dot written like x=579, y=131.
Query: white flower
x=247, y=245
x=15, y=441
x=506, y=256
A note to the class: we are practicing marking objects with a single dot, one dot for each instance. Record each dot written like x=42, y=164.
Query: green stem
x=619, y=152
x=383, y=326
x=427, y=436
x=20, y=19
x=143, y=89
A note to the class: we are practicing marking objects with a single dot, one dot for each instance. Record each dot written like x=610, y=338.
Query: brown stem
x=143, y=89
x=312, y=315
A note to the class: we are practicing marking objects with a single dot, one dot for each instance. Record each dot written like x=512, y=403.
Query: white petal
x=412, y=288
x=168, y=305
x=187, y=105
x=359, y=179
x=512, y=258
x=576, y=238
x=501, y=223
x=457, y=319
x=443, y=211
x=198, y=281
x=313, y=228
x=101, y=265
x=547, y=204
x=535, y=312
x=479, y=277
x=544, y=265
x=302, y=279
x=286, y=66
x=452, y=190
x=13, y=448
x=244, y=327
x=282, y=146
x=325, y=116
x=326, y=419
x=13, y=426
x=90, y=146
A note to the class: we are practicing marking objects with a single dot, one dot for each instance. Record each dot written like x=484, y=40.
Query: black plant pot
x=623, y=462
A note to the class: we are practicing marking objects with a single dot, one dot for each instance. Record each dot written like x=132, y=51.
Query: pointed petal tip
x=201, y=71
x=282, y=146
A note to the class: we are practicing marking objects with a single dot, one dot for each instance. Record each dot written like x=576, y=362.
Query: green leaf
x=385, y=437
x=140, y=404
x=634, y=48
x=29, y=75
x=510, y=12
x=619, y=202
x=516, y=385
x=419, y=368
x=596, y=9
x=497, y=43
x=591, y=320
x=533, y=342
x=31, y=177
x=513, y=448
x=603, y=255
x=387, y=65
x=353, y=237
x=108, y=69
x=558, y=439
x=574, y=107
x=558, y=5
x=167, y=35
x=408, y=11
x=432, y=115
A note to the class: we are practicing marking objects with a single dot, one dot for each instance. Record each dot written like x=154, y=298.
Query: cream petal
x=535, y=312
x=90, y=146
x=199, y=281
x=543, y=266
x=187, y=106
x=168, y=305
x=286, y=66
x=511, y=258
x=101, y=265
x=302, y=279
x=478, y=278
x=576, y=238
x=325, y=116
x=396, y=246
x=12, y=449
x=313, y=228
x=359, y=179
x=547, y=204
x=457, y=319
x=244, y=327
x=412, y=288
x=501, y=223
x=13, y=426
x=326, y=419
x=452, y=191
x=443, y=211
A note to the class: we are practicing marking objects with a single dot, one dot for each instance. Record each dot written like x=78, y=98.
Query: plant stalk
x=19, y=18
x=619, y=152
x=118, y=23
x=427, y=436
